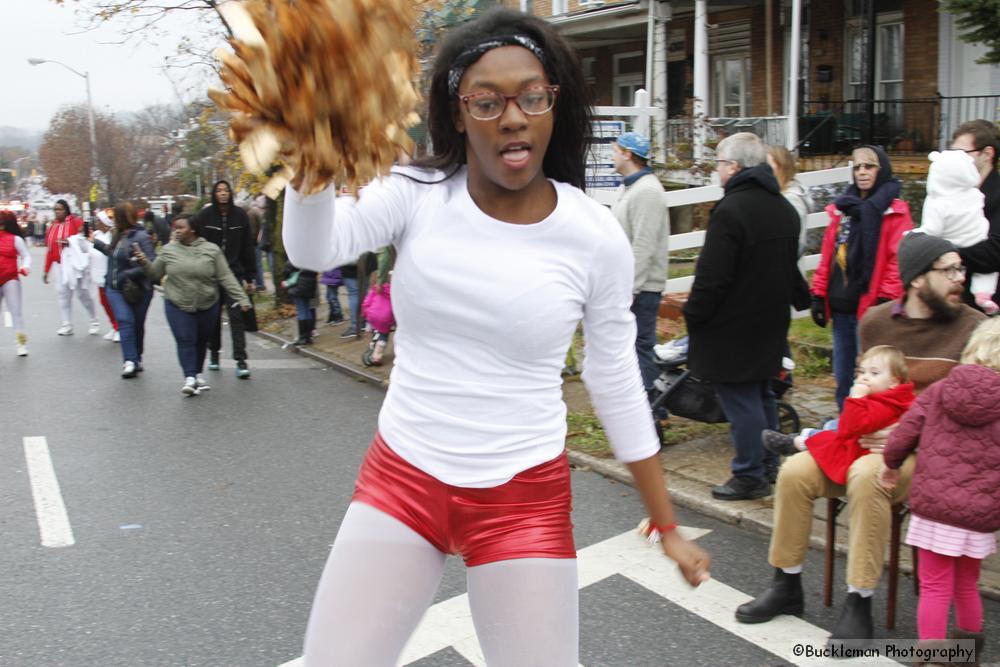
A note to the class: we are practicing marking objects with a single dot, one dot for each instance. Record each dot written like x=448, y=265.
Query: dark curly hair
x=8, y=222
x=565, y=158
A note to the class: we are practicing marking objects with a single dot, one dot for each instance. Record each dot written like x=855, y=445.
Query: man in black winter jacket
x=738, y=311
x=227, y=226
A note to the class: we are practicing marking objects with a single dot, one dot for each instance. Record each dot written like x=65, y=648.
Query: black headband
x=475, y=52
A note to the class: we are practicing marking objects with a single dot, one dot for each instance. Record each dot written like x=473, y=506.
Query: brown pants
x=801, y=482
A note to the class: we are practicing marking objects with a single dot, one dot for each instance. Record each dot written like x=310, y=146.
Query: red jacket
x=835, y=451
x=955, y=424
x=57, y=232
x=885, y=282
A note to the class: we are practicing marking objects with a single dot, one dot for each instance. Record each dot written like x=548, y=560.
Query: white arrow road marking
x=53, y=522
x=449, y=623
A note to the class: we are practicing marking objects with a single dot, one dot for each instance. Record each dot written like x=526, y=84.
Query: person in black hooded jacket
x=738, y=312
x=228, y=226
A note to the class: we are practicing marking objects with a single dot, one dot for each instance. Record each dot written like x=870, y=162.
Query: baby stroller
x=681, y=394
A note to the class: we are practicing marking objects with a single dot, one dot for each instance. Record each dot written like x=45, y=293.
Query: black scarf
x=863, y=221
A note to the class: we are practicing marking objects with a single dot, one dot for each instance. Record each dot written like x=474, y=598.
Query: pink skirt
x=949, y=540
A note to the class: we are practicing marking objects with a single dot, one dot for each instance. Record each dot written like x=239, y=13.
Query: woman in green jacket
x=191, y=271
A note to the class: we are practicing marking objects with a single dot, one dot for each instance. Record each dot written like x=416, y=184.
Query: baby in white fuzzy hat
x=953, y=210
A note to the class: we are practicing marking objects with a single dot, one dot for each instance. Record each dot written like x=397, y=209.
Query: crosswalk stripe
x=449, y=623
x=53, y=522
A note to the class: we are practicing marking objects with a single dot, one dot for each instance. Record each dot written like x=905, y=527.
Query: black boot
x=301, y=340
x=307, y=330
x=855, y=622
x=783, y=597
x=978, y=637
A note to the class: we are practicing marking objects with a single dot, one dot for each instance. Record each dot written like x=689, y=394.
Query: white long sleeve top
x=485, y=313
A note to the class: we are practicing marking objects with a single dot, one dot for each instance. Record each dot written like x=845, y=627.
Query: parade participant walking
x=227, y=226
x=129, y=291
x=643, y=215
x=469, y=456
x=858, y=266
x=99, y=271
x=930, y=325
x=738, y=312
x=955, y=492
x=71, y=252
x=193, y=272
x=15, y=261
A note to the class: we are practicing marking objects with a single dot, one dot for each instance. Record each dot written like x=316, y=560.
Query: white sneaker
x=110, y=335
x=128, y=369
x=200, y=383
x=117, y=338
x=22, y=350
x=95, y=328
x=190, y=387
x=65, y=330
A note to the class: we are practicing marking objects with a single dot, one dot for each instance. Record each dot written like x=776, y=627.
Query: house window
x=888, y=66
x=729, y=47
x=629, y=76
x=732, y=86
x=560, y=7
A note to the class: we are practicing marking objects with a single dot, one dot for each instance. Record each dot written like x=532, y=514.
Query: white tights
x=82, y=290
x=10, y=294
x=381, y=577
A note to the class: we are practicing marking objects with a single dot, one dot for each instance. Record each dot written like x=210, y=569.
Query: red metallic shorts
x=528, y=517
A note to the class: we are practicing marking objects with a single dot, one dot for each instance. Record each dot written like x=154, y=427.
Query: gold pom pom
x=325, y=86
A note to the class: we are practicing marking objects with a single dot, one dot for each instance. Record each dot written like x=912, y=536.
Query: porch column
x=794, y=55
x=661, y=10
x=700, y=76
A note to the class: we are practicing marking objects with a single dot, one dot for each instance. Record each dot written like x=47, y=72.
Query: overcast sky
x=124, y=77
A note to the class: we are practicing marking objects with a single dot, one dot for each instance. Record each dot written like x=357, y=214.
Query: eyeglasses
x=489, y=105
x=866, y=166
x=952, y=272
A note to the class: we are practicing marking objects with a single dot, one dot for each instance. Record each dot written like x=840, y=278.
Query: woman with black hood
x=227, y=225
x=858, y=267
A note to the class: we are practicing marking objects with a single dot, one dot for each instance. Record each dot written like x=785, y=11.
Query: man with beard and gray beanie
x=930, y=325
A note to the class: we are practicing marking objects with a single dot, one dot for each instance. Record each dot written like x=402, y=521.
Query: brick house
x=926, y=79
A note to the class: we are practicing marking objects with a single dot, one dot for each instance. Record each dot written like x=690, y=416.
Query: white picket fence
x=711, y=193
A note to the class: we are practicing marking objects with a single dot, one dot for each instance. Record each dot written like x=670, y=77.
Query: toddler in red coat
x=880, y=395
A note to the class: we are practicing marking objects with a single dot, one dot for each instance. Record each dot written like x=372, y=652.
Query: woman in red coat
x=858, y=265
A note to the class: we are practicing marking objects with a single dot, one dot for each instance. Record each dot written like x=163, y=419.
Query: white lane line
x=53, y=522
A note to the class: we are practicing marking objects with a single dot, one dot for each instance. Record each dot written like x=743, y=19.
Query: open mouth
x=516, y=155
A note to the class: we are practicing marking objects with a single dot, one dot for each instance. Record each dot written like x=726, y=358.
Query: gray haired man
x=738, y=312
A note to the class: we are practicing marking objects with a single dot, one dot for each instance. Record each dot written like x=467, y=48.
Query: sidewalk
x=692, y=467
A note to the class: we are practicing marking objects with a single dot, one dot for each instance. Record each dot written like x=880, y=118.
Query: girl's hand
x=23, y=271
x=888, y=477
x=693, y=561
x=283, y=286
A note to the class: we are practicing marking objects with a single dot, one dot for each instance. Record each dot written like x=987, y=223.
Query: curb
x=684, y=491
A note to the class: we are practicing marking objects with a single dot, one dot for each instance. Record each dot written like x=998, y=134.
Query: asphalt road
x=199, y=526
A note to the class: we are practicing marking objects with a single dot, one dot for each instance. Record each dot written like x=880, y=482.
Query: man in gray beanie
x=917, y=253
x=930, y=325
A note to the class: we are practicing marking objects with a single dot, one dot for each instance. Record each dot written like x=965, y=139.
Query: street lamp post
x=94, y=176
